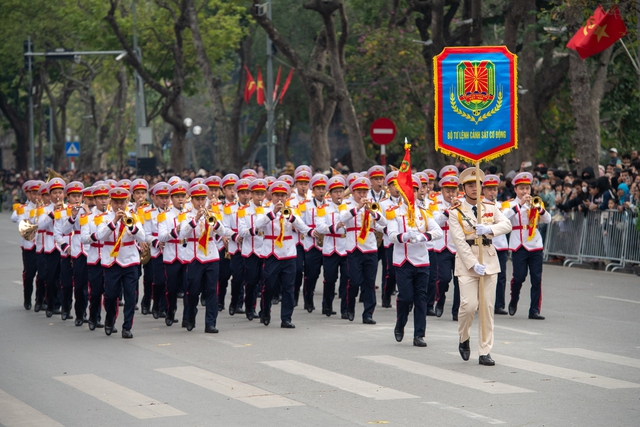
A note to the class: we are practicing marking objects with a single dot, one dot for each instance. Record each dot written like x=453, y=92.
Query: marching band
x=271, y=238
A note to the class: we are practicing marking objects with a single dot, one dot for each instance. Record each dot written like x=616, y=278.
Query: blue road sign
x=72, y=149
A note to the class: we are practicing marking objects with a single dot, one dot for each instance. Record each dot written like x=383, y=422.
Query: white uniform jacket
x=45, y=229
x=88, y=230
x=193, y=231
x=335, y=238
x=108, y=234
x=443, y=221
x=310, y=214
x=417, y=254
x=174, y=249
x=269, y=224
x=151, y=231
x=248, y=230
x=230, y=222
x=353, y=220
x=519, y=217
x=28, y=213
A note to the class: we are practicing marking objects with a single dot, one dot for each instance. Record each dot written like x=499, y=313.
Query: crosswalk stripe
x=122, y=398
x=343, y=382
x=16, y=413
x=465, y=413
x=522, y=331
x=477, y=383
x=562, y=373
x=619, y=299
x=596, y=355
x=246, y=393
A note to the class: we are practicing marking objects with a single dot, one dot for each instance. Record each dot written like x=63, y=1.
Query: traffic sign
x=72, y=149
x=382, y=131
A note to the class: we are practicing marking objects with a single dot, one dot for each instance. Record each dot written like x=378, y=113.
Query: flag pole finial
x=407, y=146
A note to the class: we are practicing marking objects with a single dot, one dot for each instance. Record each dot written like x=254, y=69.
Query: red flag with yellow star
x=260, y=94
x=601, y=30
x=405, y=183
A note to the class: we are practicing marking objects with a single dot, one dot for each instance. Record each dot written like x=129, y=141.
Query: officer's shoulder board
x=242, y=211
x=320, y=210
x=162, y=216
x=390, y=213
x=97, y=219
x=227, y=208
x=343, y=207
x=302, y=206
x=507, y=204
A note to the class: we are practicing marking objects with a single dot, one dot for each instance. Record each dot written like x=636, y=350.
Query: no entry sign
x=382, y=131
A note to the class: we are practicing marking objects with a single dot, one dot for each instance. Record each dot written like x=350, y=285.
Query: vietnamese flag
x=249, y=87
x=287, y=82
x=275, y=88
x=260, y=95
x=601, y=30
x=405, y=183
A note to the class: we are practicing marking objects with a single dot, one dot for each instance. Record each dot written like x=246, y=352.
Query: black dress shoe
x=163, y=314
x=419, y=342
x=454, y=317
x=79, y=322
x=250, y=315
x=126, y=333
x=287, y=325
x=202, y=302
x=536, y=316
x=486, y=360
x=57, y=310
x=265, y=319
x=168, y=321
x=37, y=307
x=145, y=310
x=190, y=326
x=99, y=325
x=344, y=316
x=386, y=302
x=220, y=307
x=500, y=311
x=398, y=332
x=351, y=315
x=92, y=325
x=64, y=315
x=275, y=301
x=439, y=311
x=464, y=349
x=49, y=313
x=184, y=323
x=239, y=310
x=27, y=306
x=513, y=307
x=45, y=305
x=368, y=321
x=232, y=310
x=210, y=329
x=431, y=311
x=108, y=330
x=310, y=308
x=156, y=314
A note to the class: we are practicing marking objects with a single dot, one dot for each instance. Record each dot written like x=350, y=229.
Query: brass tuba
x=27, y=230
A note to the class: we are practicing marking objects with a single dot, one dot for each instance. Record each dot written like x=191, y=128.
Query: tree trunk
x=178, y=137
x=476, y=25
x=227, y=156
x=20, y=126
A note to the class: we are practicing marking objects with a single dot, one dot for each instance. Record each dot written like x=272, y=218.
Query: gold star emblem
x=600, y=32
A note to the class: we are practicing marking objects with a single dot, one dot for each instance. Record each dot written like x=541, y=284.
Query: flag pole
x=481, y=301
x=633, y=61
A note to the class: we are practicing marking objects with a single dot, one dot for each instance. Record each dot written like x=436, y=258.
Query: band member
x=118, y=232
x=140, y=191
x=490, y=194
x=198, y=229
x=411, y=260
x=388, y=269
x=26, y=212
x=44, y=206
x=334, y=250
x=298, y=199
x=63, y=234
x=280, y=227
x=360, y=219
x=173, y=253
x=79, y=256
x=446, y=249
x=52, y=255
x=216, y=207
x=312, y=211
x=525, y=244
x=252, y=244
x=470, y=237
x=93, y=247
x=160, y=197
x=231, y=186
x=431, y=204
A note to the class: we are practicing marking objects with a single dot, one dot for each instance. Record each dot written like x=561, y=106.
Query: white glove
x=482, y=230
x=419, y=238
x=480, y=269
x=411, y=236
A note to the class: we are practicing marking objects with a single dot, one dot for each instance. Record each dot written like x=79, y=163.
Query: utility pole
x=142, y=150
x=32, y=145
x=270, y=104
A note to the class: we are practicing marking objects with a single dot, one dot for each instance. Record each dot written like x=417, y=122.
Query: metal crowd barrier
x=598, y=236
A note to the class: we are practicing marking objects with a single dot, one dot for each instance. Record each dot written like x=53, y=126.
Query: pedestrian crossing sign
x=72, y=149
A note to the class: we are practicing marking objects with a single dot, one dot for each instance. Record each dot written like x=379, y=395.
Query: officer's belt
x=485, y=242
x=130, y=243
x=276, y=237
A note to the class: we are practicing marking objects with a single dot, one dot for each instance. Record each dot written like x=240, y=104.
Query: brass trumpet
x=286, y=212
x=536, y=202
x=128, y=219
x=210, y=217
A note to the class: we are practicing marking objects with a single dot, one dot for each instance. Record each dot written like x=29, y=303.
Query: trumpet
x=128, y=219
x=210, y=217
x=286, y=212
x=537, y=203
x=372, y=206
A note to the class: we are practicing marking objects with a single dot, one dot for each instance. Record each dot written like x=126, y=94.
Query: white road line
x=619, y=299
x=17, y=282
x=16, y=413
x=122, y=398
x=596, y=355
x=562, y=373
x=522, y=331
x=465, y=413
x=477, y=383
x=254, y=396
x=343, y=382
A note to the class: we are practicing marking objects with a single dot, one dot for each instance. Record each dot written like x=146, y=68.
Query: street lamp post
x=189, y=155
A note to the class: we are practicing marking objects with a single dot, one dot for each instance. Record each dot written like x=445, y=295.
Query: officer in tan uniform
x=468, y=236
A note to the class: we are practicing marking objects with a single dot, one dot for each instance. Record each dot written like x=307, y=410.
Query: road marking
x=246, y=393
x=17, y=282
x=228, y=343
x=122, y=398
x=343, y=382
x=16, y=413
x=488, y=386
x=522, y=331
x=596, y=355
x=619, y=299
x=562, y=373
x=465, y=413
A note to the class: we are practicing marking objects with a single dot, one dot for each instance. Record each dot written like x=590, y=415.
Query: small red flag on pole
x=286, y=84
x=260, y=95
x=405, y=183
x=275, y=88
x=601, y=30
x=249, y=87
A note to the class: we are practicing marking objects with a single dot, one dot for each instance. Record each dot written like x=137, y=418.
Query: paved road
x=580, y=367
